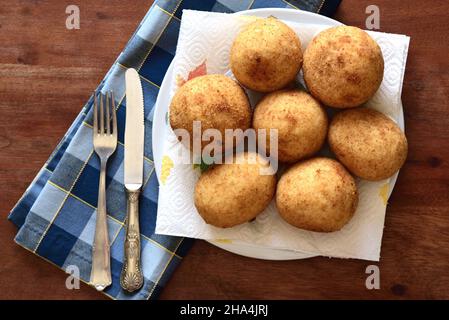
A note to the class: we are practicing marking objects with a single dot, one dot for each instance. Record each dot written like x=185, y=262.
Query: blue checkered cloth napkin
x=56, y=215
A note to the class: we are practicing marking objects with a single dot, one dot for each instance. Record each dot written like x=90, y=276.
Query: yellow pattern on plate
x=223, y=240
x=167, y=165
x=383, y=193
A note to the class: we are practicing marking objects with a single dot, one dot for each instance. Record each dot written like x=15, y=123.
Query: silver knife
x=131, y=278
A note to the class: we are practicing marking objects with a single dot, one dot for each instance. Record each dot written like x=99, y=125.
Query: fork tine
x=95, y=113
x=101, y=113
x=114, y=116
x=108, y=119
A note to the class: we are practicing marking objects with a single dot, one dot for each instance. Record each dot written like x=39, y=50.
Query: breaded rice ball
x=266, y=55
x=215, y=100
x=317, y=195
x=368, y=143
x=230, y=194
x=343, y=67
x=300, y=120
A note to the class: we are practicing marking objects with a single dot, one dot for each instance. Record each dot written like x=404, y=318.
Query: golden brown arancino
x=368, y=143
x=266, y=55
x=230, y=194
x=317, y=195
x=215, y=100
x=343, y=67
x=300, y=120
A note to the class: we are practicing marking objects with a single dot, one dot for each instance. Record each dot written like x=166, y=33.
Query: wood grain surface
x=48, y=72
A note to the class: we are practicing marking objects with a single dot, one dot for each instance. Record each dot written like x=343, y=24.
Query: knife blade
x=131, y=277
x=134, y=131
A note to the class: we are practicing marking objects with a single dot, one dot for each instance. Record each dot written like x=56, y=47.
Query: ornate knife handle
x=131, y=278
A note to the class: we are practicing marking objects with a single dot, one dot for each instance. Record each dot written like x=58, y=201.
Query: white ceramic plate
x=160, y=128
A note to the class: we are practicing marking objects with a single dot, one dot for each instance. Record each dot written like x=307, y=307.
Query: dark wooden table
x=48, y=72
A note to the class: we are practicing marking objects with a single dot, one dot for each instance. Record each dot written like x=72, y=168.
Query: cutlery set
x=105, y=143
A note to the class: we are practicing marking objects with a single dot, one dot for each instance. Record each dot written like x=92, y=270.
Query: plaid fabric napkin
x=56, y=215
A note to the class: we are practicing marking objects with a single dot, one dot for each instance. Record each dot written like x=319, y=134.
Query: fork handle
x=101, y=265
x=131, y=278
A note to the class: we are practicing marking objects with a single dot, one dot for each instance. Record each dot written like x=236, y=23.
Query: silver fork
x=105, y=143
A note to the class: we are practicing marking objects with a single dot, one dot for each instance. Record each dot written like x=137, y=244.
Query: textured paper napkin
x=207, y=38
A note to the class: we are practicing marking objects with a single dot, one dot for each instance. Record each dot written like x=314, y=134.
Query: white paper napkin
x=207, y=37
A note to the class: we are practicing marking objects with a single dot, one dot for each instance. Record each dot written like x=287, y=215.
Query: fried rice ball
x=343, y=67
x=368, y=143
x=266, y=55
x=230, y=194
x=317, y=195
x=216, y=100
x=300, y=120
